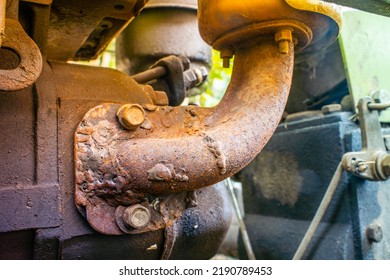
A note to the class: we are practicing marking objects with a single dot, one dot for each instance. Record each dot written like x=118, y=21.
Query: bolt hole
x=9, y=59
x=119, y=7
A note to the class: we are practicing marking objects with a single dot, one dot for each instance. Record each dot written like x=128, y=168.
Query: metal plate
x=365, y=45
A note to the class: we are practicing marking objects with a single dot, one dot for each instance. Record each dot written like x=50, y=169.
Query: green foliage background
x=215, y=87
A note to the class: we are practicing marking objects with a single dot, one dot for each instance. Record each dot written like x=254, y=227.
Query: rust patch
x=166, y=172
x=215, y=148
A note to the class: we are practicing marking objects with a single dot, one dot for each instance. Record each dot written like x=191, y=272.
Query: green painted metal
x=365, y=45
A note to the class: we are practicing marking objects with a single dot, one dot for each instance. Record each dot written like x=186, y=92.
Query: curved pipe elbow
x=180, y=149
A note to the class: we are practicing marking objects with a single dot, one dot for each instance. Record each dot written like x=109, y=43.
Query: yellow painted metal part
x=227, y=24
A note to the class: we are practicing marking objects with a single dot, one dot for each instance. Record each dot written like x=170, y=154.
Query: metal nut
x=374, y=232
x=131, y=116
x=136, y=216
x=284, y=37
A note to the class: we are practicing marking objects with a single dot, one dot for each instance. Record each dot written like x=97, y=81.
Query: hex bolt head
x=284, y=37
x=131, y=116
x=374, y=232
x=136, y=216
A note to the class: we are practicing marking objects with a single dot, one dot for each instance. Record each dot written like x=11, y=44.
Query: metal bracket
x=372, y=162
x=29, y=66
x=177, y=74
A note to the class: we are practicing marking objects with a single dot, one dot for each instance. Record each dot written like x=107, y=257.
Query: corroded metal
x=3, y=4
x=155, y=34
x=314, y=23
x=27, y=64
x=182, y=148
x=80, y=30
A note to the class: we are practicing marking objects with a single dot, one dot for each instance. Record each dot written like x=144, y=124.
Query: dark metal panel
x=80, y=30
x=277, y=238
x=17, y=138
x=27, y=207
x=285, y=184
x=16, y=245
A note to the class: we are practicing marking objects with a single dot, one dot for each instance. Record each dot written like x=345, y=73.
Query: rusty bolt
x=284, y=37
x=374, y=232
x=131, y=116
x=136, y=216
x=226, y=55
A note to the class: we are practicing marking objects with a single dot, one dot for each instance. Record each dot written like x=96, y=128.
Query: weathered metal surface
x=159, y=32
x=27, y=63
x=3, y=5
x=279, y=209
x=27, y=207
x=176, y=88
x=172, y=75
x=285, y=184
x=34, y=16
x=315, y=23
x=193, y=238
x=29, y=183
x=37, y=172
x=80, y=30
x=367, y=70
x=183, y=148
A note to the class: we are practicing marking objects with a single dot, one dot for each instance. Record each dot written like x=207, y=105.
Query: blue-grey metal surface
x=284, y=185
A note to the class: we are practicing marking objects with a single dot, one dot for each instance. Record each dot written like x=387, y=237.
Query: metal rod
x=149, y=75
x=319, y=214
x=3, y=5
x=237, y=210
x=378, y=106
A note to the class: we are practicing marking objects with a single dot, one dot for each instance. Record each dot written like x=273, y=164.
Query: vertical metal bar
x=244, y=233
x=3, y=4
x=319, y=214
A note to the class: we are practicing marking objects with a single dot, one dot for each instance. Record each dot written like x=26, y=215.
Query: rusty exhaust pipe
x=176, y=150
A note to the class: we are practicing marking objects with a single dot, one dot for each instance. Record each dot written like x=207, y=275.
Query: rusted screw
x=374, y=232
x=284, y=37
x=136, y=216
x=226, y=55
x=131, y=116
